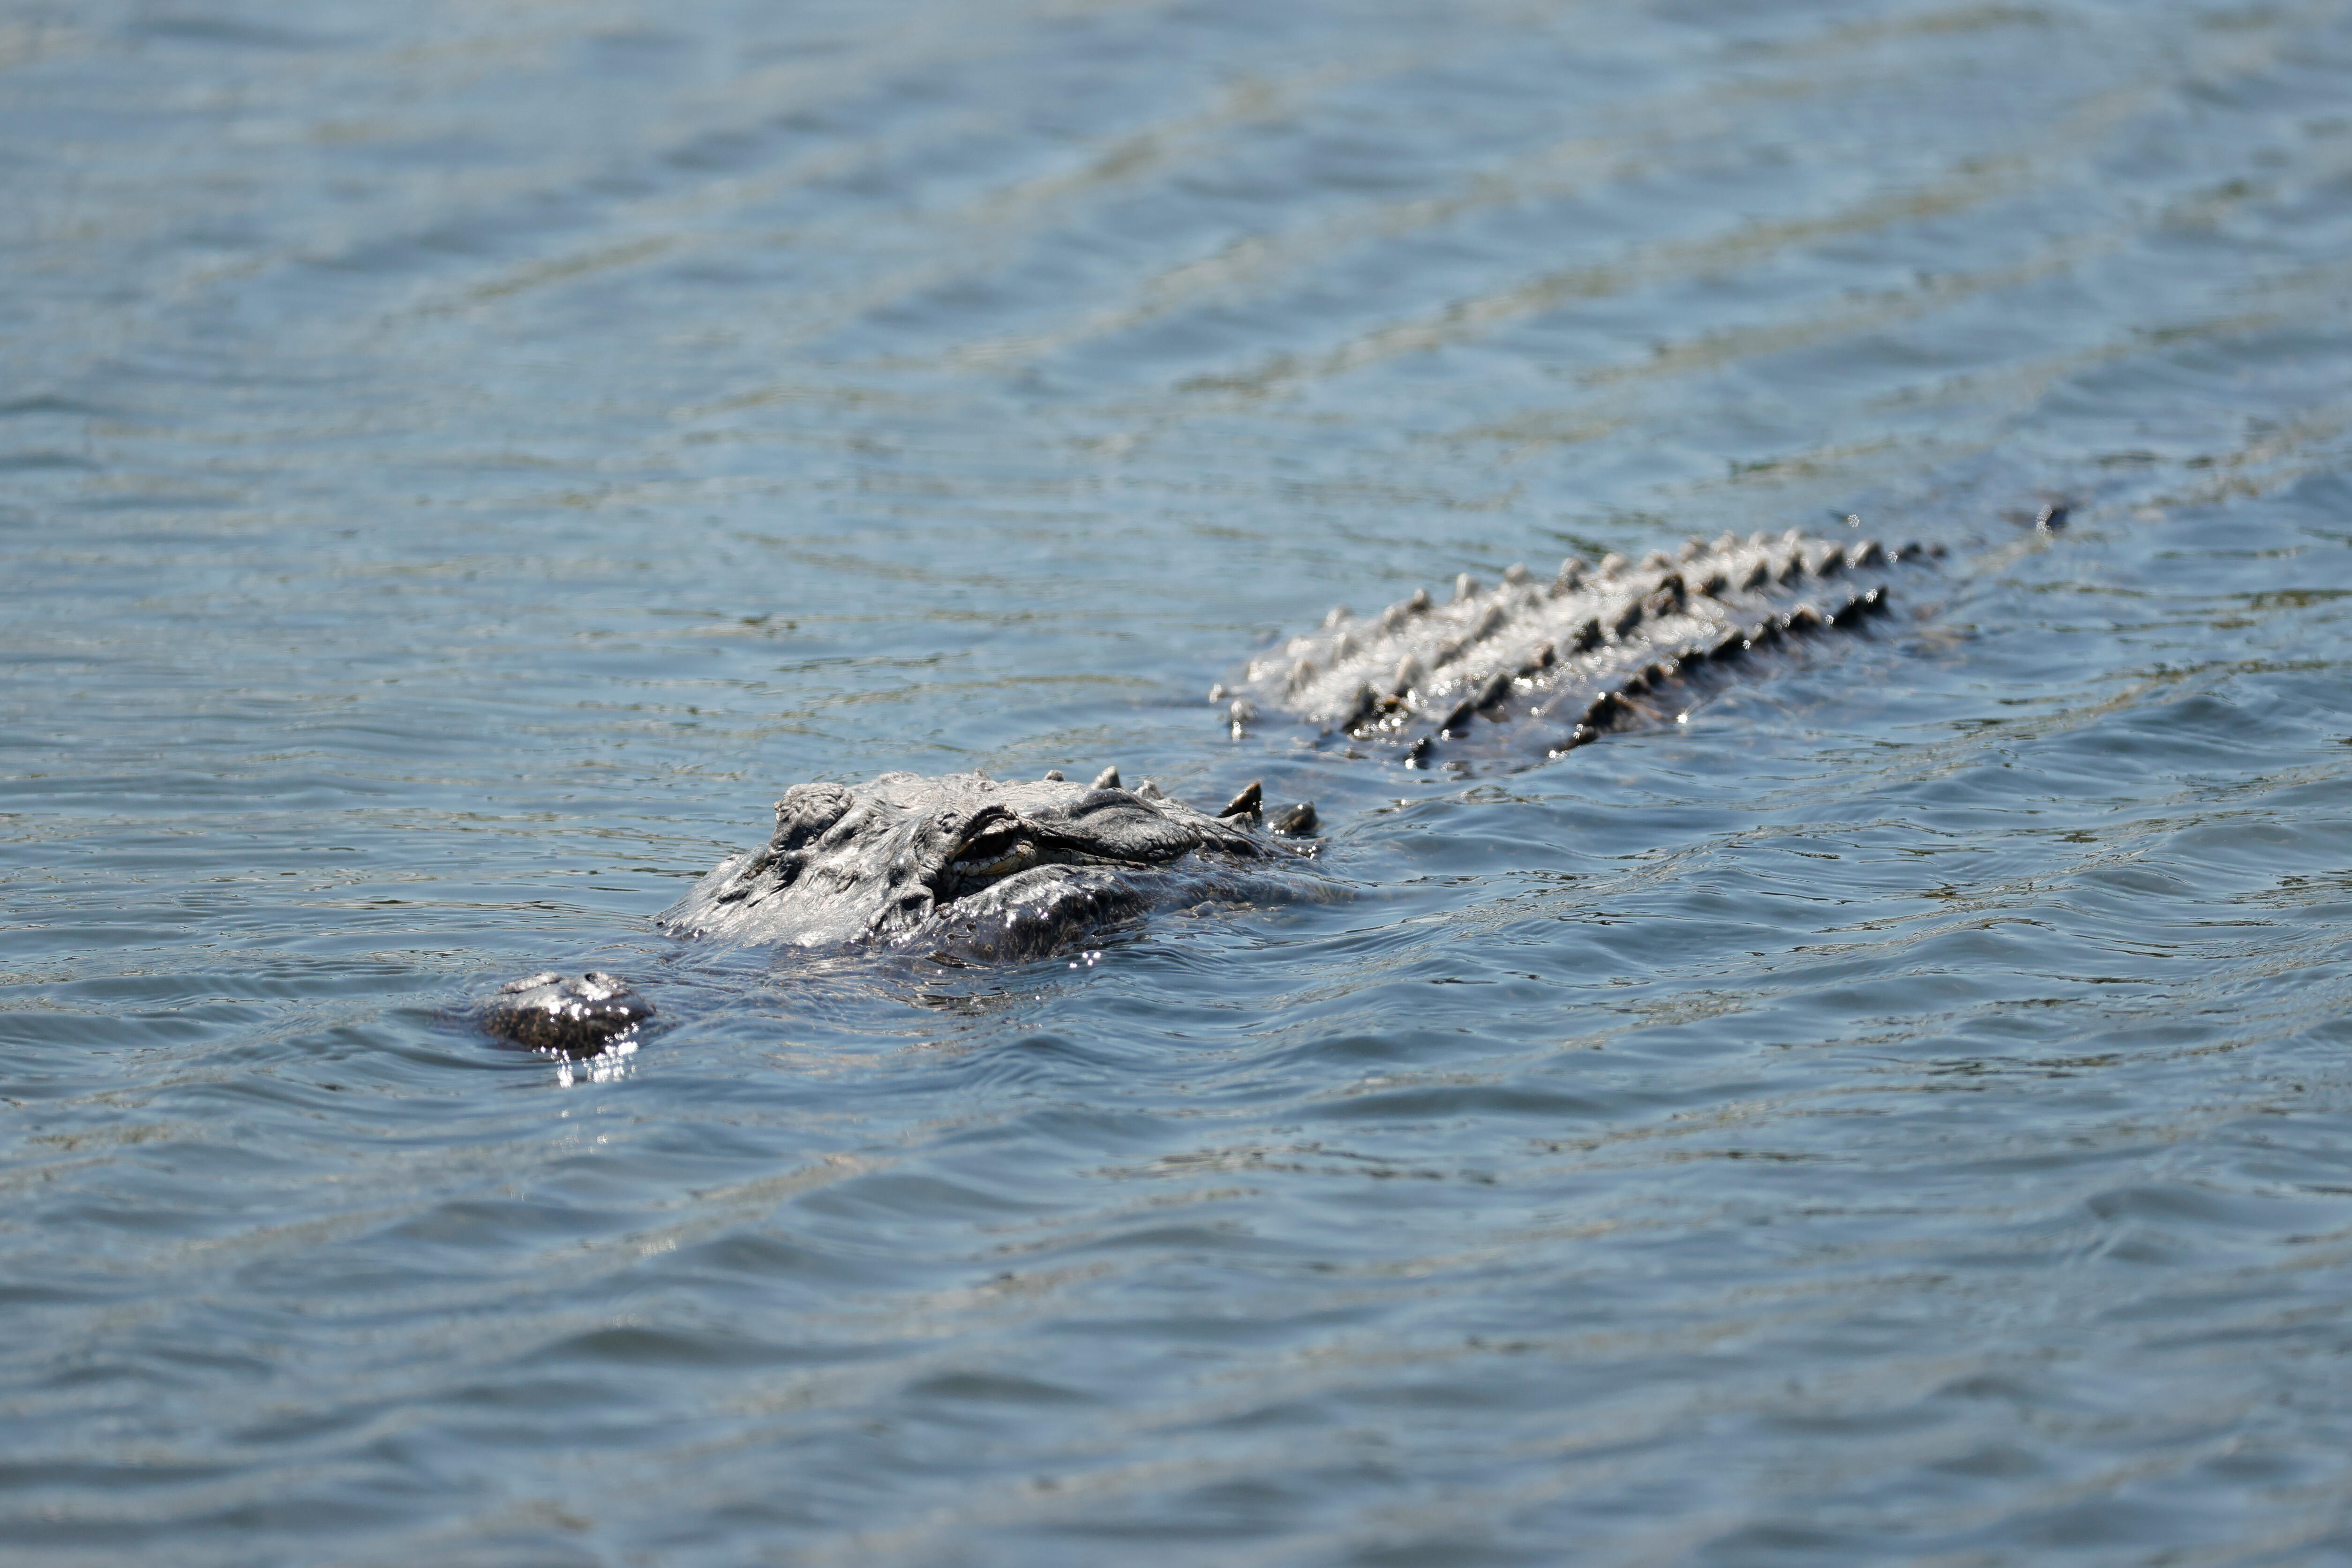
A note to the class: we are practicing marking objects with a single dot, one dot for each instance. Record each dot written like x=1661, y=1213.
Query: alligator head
x=959, y=868
x=973, y=867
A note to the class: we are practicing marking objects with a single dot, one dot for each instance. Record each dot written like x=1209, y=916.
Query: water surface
x=462, y=461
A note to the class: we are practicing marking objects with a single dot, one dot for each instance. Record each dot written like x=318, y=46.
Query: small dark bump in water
x=566, y=1017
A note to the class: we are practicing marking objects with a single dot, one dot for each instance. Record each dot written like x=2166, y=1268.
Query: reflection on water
x=463, y=462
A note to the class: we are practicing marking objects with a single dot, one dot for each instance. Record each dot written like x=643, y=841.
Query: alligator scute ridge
x=1594, y=649
x=962, y=867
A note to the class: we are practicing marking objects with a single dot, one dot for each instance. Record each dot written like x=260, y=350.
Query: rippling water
x=462, y=461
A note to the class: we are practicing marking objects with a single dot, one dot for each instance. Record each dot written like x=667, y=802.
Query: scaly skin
x=971, y=866
x=1593, y=650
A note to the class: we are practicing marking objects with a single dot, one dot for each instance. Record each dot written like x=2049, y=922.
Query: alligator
x=967, y=869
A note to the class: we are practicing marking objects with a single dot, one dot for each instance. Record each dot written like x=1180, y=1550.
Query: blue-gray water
x=462, y=458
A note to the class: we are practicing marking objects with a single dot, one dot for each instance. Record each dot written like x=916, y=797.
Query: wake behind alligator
x=967, y=869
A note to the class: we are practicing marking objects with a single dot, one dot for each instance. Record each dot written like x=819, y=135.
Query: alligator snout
x=569, y=1015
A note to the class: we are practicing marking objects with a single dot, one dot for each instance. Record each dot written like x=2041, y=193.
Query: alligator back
x=1599, y=647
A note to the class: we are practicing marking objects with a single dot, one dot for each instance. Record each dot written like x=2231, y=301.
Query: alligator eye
x=996, y=851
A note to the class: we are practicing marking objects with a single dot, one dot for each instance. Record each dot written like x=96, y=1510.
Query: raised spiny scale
x=1614, y=709
x=1417, y=659
x=1296, y=820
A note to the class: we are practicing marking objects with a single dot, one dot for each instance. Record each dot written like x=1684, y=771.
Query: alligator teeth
x=1107, y=778
x=1465, y=586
